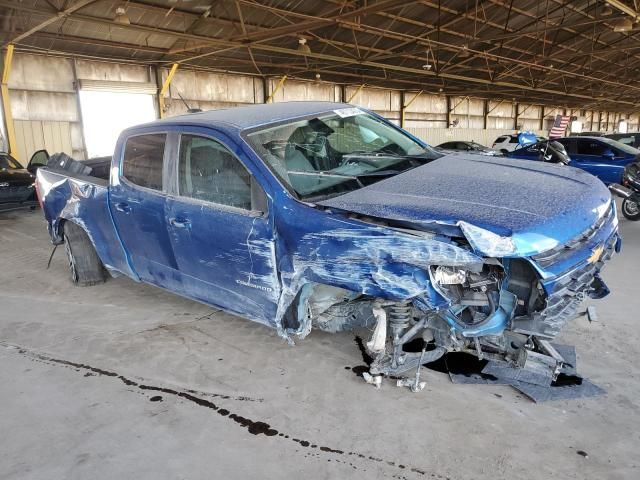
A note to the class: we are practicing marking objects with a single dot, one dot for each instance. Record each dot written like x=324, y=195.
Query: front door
x=220, y=228
x=137, y=199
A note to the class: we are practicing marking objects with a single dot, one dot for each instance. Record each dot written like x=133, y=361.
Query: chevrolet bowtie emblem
x=596, y=253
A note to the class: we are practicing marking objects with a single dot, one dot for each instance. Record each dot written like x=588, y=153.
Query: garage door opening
x=105, y=114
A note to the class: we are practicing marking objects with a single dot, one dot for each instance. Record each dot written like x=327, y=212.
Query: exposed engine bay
x=499, y=312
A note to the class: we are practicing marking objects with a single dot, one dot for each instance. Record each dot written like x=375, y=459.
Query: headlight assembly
x=488, y=243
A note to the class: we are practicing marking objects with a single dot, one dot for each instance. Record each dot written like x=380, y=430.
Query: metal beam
x=624, y=8
x=275, y=90
x=163, y=89
x=6, y=103
x=355, y=94
x=59, y=16
x=407, y=105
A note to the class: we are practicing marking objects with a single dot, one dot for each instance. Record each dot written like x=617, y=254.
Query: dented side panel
x=83, y=201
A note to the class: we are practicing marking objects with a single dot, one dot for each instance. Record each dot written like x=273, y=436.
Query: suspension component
x=399, y=320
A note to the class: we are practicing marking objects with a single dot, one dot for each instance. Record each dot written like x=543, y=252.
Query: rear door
x=137, y=199
x=220, y=228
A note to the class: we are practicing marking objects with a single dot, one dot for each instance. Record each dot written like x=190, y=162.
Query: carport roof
x=556, y=52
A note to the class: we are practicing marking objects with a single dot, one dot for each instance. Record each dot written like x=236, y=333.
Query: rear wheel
x=84, y=263
x=631, y=209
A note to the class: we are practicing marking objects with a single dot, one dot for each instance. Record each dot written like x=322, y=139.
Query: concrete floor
x=123, y=380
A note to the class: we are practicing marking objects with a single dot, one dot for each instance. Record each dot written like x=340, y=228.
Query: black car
x=17, y=187
x=470, y=147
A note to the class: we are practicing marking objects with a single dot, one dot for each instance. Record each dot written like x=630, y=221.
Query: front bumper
x=571, y=273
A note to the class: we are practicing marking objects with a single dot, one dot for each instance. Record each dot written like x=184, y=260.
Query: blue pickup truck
x=322, y=215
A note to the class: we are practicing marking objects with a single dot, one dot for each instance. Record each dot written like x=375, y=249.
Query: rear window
x=142, y=162
x=500, y=139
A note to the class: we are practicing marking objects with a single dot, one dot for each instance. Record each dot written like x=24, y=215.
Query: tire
x=84, y=263
x=504, y=151
x=631, y=209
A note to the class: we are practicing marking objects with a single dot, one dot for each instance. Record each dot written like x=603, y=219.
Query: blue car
x=600, y=156
x=318, y=215
x=546, y=151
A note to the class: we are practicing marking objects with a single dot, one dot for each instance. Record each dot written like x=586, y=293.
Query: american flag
x=559, y=126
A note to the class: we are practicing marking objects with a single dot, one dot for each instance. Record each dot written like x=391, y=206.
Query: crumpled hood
x=536, y=205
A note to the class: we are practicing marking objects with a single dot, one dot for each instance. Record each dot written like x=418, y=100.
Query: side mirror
x=609, y=154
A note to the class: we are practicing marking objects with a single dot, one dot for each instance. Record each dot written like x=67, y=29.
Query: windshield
x=337, y=152
x=7, y=162
x=620, y=146
x=477, y=146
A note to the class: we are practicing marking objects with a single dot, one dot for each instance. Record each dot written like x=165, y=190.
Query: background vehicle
x=509, y=143
x=471, y=147
x=546, y=151
x=629, y=191
x=317, y=214
x=631, y=139
x=600, y=156
x=16, y=185
x=588, y=134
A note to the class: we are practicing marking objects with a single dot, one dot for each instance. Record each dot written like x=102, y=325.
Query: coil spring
x=400, y=315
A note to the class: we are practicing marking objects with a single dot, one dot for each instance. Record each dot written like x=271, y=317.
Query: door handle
x=123, y=207
x=180, y=222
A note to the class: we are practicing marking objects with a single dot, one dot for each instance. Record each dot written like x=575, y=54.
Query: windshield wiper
x=325, y=173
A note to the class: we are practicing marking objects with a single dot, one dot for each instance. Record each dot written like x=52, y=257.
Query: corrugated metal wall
x=44, y=105
x=34, y=135
x=436, y=136
x=43, y=90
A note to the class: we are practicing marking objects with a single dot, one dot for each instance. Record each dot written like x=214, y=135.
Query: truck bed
x=79, y=192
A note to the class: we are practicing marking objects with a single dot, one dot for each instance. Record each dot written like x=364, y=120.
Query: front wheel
x=631, y=208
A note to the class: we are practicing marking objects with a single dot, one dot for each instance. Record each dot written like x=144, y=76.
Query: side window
x=142, y=162
x=569, y=145
x=208, y=171
x=513, y=139
x=500, y=139
x=448, y=145
x=590, y=147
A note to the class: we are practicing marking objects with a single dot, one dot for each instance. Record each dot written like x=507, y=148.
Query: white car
x=509, y=143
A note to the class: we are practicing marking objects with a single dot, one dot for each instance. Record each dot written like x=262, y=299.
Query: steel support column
x=275, y=90
x=163, y=89
x=6, y=103
x=403, y=106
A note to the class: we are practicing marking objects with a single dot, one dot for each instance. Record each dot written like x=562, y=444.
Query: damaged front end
x=420, y=305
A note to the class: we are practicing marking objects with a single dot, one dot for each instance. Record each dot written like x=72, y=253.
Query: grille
x=561, y=252
x=563, y=303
